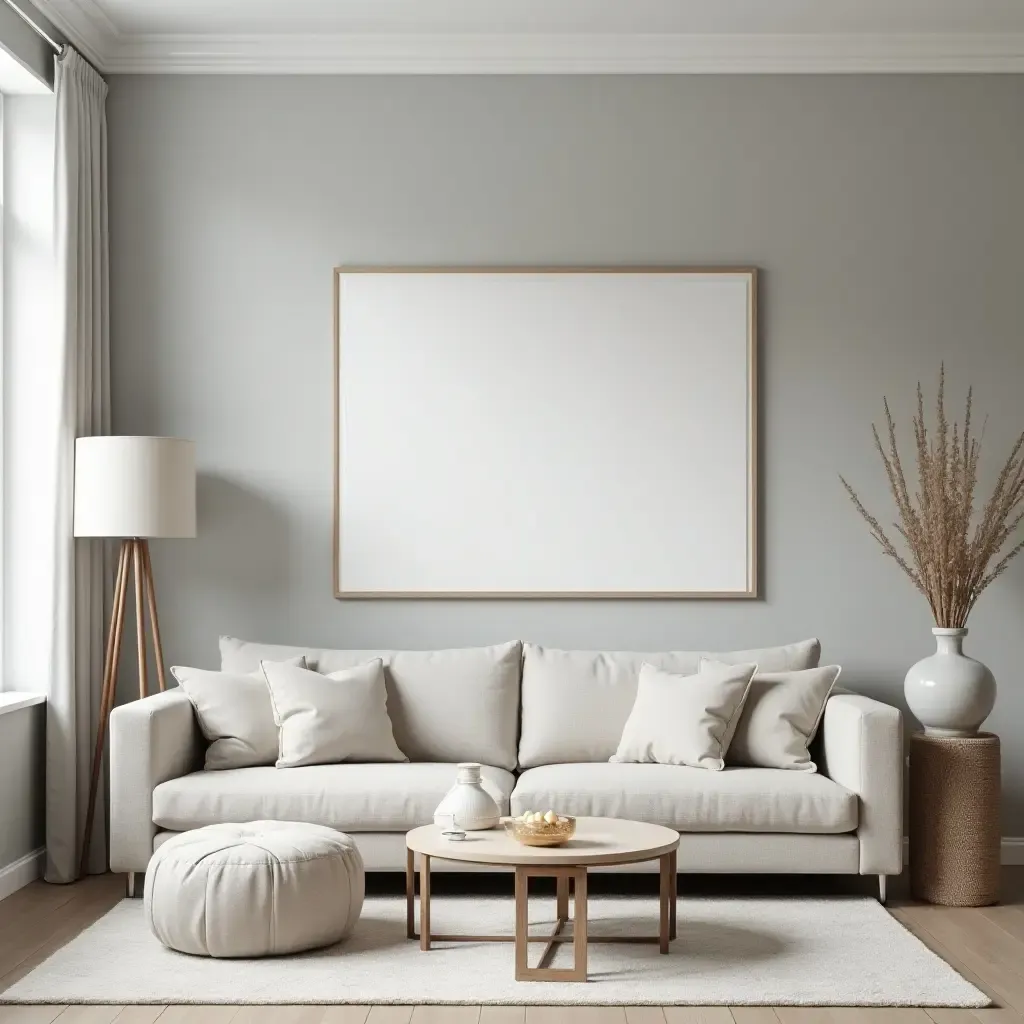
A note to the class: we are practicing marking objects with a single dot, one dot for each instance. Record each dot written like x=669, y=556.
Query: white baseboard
x=1011, y=850
x=24, y=870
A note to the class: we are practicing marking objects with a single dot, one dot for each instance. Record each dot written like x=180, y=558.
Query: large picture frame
x=545, y=433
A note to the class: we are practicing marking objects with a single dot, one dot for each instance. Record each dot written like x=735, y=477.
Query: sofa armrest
x=151, y=740
x=863, y=747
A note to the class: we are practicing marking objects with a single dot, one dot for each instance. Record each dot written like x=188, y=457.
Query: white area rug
x=781, y=952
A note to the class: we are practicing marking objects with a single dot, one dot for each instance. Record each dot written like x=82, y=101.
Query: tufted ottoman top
x=256, y=889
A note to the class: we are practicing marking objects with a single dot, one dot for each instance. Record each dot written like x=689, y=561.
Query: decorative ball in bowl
x=536, y=828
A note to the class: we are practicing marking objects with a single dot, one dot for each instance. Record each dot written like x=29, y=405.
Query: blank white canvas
x=545, y=433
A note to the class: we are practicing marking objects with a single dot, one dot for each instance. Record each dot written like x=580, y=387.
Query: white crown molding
x=92, y=31
x=1012, y=850
x=564, y=54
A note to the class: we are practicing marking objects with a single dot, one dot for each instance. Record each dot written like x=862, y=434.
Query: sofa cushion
x=685, y=720
x=450, y=706
x=334, y=718
x=575, y=703
x=691, y=799
x=348, y=797
x=781, y=717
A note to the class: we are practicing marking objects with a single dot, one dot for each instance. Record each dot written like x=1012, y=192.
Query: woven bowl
x=540, y=833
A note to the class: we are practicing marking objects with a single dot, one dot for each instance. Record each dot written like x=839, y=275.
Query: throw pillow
x=325, y=719
x=687, y=720
x=780, y=718
x=234, y=713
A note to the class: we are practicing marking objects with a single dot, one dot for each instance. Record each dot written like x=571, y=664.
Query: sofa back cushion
x=575, y=703
x=457, y=705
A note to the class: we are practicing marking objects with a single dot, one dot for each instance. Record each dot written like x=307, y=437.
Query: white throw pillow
x=558, y=684
x=234, y=713
x=689, y=720
x=326, y=719
x=780, y=717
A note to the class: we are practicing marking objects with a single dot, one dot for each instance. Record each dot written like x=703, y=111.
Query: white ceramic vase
x=467, y=805
x=949, y=693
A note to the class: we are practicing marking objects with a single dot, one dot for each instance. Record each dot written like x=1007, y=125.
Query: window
x=26, y=301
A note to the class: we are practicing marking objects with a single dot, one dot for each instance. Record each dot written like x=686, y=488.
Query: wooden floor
x=986, y=946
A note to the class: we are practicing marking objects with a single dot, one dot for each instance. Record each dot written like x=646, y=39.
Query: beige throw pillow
x=780, y=718
x=424, y=686
x=687, y=720
x=557, y=684
x=326, y=719
x=234, y=714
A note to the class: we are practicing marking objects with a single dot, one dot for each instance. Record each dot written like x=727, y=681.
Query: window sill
x=15, y=701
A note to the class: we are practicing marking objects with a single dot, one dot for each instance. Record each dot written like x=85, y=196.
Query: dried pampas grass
x=947, y=560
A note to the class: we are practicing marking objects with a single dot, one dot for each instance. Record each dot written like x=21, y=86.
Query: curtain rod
x=39, y=31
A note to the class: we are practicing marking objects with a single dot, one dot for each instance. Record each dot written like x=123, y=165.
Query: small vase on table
x=468, y=804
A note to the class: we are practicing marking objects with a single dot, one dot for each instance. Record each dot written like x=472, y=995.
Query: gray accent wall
x=885, y=213
x=22, y=774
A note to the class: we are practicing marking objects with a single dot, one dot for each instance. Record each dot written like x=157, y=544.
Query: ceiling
x=367, y=36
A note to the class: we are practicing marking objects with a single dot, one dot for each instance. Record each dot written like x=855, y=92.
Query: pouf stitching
x=206, y=915
x=291, y=858
x=254, y=863
x=294, y=857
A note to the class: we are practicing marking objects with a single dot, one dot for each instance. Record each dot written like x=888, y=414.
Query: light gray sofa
x=544, y=723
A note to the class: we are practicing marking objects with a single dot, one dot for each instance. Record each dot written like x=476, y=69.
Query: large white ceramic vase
x=949, y=693
x=467, y=804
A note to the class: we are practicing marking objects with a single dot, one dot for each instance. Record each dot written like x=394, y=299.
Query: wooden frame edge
x=545, y=595
x=753, y=591
x=753, y=441
x=336, y=445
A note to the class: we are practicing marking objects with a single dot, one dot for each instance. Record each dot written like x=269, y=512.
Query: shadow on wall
x=242, y=543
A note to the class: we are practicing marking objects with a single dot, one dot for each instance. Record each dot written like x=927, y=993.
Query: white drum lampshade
x=135, y=487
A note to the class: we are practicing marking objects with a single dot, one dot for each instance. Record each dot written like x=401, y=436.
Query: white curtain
x=81, y=407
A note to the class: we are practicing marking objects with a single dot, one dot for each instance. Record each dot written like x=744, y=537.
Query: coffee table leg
x=410, y=894
x=424, y=902
x=674, y=897
x=522, y=924
x=563, y=897
x=578, y=971
x=579, y=925
x=665, y=895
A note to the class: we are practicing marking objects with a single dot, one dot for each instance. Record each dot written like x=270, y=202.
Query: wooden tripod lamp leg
x=110, y=663
x=140, y=621
x=158, y=647
x=133, y=559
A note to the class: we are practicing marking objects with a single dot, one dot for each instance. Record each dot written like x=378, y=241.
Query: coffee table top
x=597, y=841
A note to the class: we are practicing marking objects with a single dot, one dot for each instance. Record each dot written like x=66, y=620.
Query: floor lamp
x=134, y=488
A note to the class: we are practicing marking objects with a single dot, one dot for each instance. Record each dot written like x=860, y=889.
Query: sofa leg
x=130, y=887
x=881, y=889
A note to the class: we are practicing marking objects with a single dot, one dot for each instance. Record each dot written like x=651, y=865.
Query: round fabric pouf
x=260, y=889
x=954, y=819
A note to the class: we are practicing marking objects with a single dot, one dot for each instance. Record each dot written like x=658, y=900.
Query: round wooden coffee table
x=598, y=841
